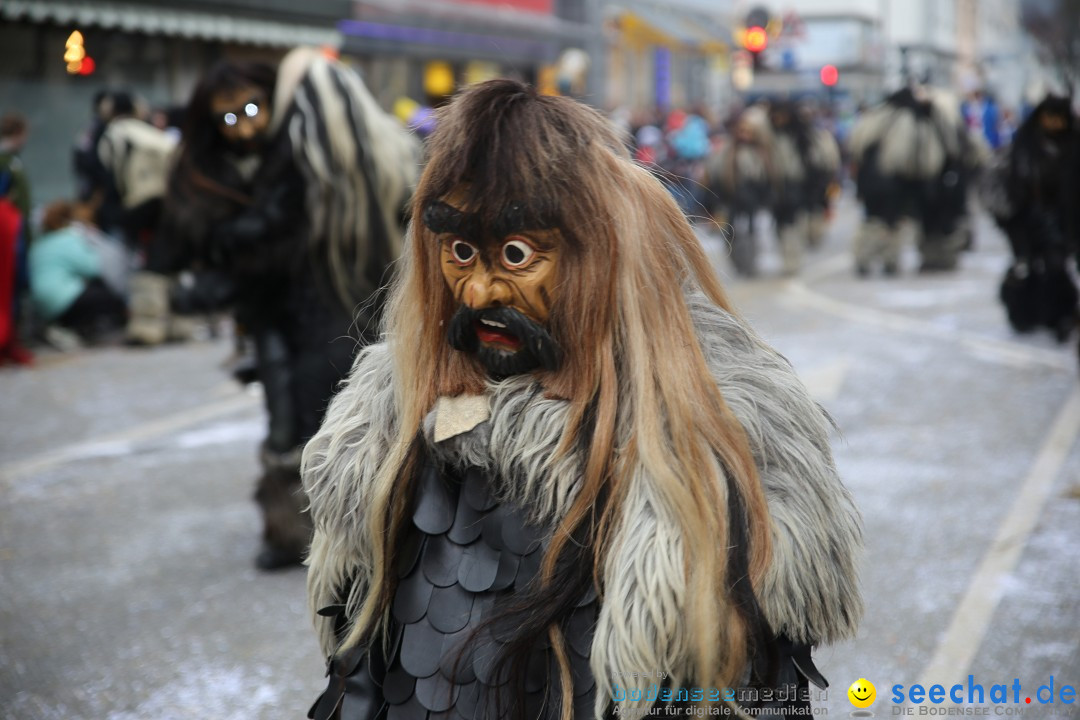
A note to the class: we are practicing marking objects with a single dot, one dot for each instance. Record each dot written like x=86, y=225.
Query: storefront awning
x=370, y=37
x=648, y=26
x=191, y=24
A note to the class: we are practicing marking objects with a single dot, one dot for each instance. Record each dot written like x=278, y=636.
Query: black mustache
x=538, y=348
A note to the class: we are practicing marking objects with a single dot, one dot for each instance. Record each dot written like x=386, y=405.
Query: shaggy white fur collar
x=811, y=590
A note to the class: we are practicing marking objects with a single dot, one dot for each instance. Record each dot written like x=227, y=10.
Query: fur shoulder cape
x=810, y=593
x=358, y=162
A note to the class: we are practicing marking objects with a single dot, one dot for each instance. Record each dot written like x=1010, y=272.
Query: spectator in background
x=95, y=179
x=69, y=287
x=650, y=150
x=14, y=236
x=85, y=163
x=1008, y=126
x=169, y=121
x=690, y=144
x=990, y=122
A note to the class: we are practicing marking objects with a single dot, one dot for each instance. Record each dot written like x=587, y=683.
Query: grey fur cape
x=810, y=593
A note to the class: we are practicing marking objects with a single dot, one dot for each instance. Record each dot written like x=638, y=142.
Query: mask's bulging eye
x=462, y=252
x=517, y=253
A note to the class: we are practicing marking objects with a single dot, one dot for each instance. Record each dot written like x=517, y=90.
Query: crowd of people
x=912, y=157
x=917, y=158
x=920, y=160
x=277, y=194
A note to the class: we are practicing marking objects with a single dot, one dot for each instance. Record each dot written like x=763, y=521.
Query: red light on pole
x=756, y=39
x=829, y=75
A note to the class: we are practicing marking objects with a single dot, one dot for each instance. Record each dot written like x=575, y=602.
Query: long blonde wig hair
x=641, y=398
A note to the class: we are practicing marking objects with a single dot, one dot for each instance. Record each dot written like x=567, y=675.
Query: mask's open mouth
x=492, y=332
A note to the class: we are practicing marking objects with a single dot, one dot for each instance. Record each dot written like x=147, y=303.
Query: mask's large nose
x=245, y=129
x=484, y=290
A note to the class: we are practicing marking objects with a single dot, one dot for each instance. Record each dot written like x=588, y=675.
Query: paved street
x=127, y=530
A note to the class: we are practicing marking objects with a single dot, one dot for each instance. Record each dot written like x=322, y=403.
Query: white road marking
x=973, y=615
x=824, y=382
x=121, y=442
x=1000, y=351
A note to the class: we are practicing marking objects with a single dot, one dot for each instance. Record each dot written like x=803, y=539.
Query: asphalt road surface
x=127, y=529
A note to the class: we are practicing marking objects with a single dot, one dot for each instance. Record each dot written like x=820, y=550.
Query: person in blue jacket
x=66, y=278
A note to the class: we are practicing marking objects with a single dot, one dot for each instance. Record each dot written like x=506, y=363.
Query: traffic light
x=829, y=75
x=756, y=39
x=758, y=17
x=755, y=35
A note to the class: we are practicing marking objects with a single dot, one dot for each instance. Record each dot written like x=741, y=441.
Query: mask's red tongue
x=496, y=336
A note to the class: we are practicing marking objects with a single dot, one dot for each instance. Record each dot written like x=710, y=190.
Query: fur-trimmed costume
x=823, y=170
x=739, y=178
x=134, y=159
x=296, y=237
x=470, y=499
x=791, y=199
x=810, y=594
x=1032, y=192
x=914, y=158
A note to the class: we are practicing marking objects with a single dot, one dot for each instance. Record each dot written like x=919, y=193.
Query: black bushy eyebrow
x=518, y=217
x=442, y=218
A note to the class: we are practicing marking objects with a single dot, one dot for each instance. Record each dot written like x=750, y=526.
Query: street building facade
x=154, y=50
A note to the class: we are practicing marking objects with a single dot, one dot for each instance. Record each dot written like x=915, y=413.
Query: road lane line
x=973, y=615
x=142, y=432
x=825, y=381
x=999, y=351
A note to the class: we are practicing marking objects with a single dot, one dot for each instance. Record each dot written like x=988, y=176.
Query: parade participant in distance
x=822, y=175
x=1033, y=197
x=791, y=199
x=740, y=180
x=287, y=196
x=914, y=159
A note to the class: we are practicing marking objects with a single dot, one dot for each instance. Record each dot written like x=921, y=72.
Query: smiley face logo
x=862, y=693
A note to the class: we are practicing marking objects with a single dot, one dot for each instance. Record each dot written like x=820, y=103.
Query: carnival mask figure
x=503, y=279
x=285, y=201
x=570, y=461
x=242, y=115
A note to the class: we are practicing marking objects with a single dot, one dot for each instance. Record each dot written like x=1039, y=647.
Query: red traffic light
x=756, y=39
x=829, y=75
x=87, y=66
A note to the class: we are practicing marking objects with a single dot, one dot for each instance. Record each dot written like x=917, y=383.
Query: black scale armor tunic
x=463, y=556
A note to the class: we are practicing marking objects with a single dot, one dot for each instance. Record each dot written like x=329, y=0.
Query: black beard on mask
x=538, y=349
x=244, y=148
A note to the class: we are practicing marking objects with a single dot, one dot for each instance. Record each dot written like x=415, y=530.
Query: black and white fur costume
x=739, y=179
x=914, y=159
x=500, y=474
x=302, y=261
x=823, y=170
x=791, y=198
